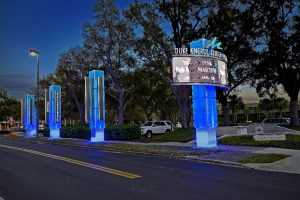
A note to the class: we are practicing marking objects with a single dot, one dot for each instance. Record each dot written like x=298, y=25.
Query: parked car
x=276, y=121
x=155, y=127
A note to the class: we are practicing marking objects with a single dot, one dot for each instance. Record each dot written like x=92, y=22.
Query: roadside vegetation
x=179, y=135
x=291, y=142
x=124, y=132
x=263, y=158
x=172, y=151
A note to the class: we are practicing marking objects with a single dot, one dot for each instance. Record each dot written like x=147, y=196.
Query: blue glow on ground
x=55, y=133
x=30, y=133
x=97, y=135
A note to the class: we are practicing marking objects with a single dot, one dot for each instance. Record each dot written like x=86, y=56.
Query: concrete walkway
x=267, y=128
x=290, y=164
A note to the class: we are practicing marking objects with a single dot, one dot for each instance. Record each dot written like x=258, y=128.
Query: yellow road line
x=77, y=162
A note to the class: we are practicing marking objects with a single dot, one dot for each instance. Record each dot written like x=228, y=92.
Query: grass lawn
x=264, y=158
x=291, y=142
x=179, y=135
x=171, y=151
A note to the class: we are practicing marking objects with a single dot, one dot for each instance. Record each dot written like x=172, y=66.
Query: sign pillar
x=54, y=111
x=204, y=108
x=30, y=119
x=95, y=104
x=204, y=69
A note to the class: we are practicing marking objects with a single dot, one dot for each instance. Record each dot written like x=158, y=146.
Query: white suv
x=151, y=127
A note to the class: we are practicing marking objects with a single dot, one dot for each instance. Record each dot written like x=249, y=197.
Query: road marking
x=1, y=198
x=77, y=162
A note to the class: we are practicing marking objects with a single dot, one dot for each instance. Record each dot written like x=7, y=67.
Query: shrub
x=124, y=132
x=80, y=132
x=4, y=132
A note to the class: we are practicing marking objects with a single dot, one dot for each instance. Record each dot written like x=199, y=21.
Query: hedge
x=124, y=132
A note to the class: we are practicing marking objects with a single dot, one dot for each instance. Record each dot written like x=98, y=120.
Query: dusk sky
x=49, y=26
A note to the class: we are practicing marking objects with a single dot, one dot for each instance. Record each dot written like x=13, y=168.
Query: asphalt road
x=41, y=171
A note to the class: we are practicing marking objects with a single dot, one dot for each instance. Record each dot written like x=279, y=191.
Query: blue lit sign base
x=206, y=137
x=54, y=133
x=30, y=133
x=97, y=135
x=205, y=115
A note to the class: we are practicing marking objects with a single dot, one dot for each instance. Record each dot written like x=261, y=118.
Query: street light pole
x=33, y=52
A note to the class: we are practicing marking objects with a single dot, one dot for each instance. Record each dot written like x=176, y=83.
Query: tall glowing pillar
x=205, y=115
x=54, y=111
x=204, y=108
x=30, y=116
x=95, y=104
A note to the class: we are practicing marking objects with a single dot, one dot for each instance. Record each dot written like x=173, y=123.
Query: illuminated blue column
x=30, y=116
x=95, y=104
x=204, y=109
x=205, y=115
x=54, y=111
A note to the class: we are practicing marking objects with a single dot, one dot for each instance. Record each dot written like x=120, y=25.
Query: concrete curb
x=269, y=170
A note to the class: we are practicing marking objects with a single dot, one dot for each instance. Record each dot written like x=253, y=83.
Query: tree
x=235, y=104
x=266, y=106
x=152, y=94
x=280, y=104
x=279, y=64
x=109, y=40
x=184, y=18
x=234, y=23
x=192, y=20
x=73, y=66
x=9, y=107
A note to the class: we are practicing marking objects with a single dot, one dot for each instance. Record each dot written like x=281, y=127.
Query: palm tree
x=236, y=104
x=280, y=104
x=265, y=105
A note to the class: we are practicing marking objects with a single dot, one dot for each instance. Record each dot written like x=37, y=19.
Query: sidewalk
x=290, y=164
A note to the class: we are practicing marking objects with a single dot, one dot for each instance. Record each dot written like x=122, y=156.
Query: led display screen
x=193, y=70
